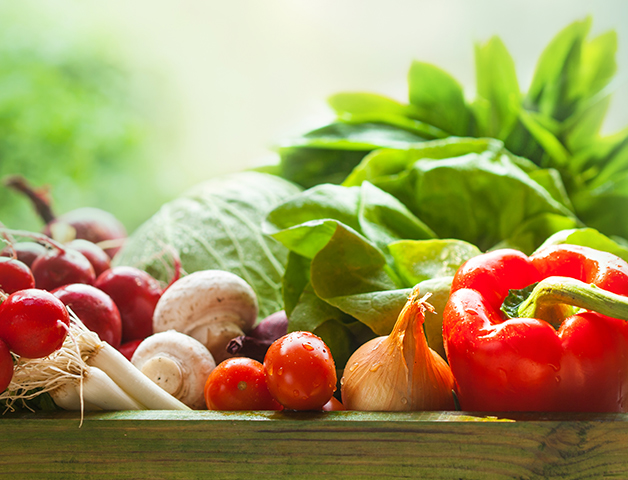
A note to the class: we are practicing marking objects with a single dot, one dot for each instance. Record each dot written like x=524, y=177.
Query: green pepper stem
x=570, y=291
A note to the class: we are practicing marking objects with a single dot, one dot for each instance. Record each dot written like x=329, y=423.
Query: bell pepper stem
x=570, y=291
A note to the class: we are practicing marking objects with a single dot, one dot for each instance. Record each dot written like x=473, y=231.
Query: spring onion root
x=101, y=375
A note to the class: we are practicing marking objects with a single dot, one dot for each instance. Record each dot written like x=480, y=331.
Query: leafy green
x=438, y=98
x=354, y=256
x=499, y=98
x=217, y=225
x=420, y=261
x=555, y=126
x=589, y=237
x=467, y=189
x=326, y=155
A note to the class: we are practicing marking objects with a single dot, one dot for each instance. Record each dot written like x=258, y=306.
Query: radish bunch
x=41, y=279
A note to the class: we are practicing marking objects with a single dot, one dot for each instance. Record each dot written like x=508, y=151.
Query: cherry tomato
x=300, y=371
x=33, y=323
x=239, y=383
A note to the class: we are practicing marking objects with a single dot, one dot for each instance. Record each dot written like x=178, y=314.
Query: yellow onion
x=399, y=372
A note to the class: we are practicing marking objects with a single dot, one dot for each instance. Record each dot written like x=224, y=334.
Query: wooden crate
x=353, y=445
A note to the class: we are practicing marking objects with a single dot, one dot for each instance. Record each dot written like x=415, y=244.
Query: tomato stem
x=570, y=291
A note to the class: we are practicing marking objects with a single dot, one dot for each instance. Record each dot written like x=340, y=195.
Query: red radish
x=95, y=309
x=88, y=223
x=96, y=255
x=91, y=224
x=14, y=275
x=6, y=366
x=25, y=252
x=135, y=293
x=128, y=349
x=61, y=266
x=33, y=323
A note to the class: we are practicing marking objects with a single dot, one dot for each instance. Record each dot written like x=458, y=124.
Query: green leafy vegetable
x=580, y=177
x=589, y=237
x=217, y=225
x=354, y=255
x=467, y=189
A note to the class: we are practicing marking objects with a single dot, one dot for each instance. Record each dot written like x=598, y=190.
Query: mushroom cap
x=178, y=363
x=205, y=303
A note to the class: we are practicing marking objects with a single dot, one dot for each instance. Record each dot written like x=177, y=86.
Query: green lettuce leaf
x=438, y=98
x=589, y=237
x=329, y=153
x=469, y=189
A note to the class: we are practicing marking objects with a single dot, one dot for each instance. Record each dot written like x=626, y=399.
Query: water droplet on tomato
x=295, y=393
x=280, y=371
x=308, y=347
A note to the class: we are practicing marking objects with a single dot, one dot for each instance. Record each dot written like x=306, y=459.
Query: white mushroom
x=177, y=363
x=213, y=306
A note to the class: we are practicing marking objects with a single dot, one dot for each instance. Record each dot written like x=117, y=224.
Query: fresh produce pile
x=433, y=255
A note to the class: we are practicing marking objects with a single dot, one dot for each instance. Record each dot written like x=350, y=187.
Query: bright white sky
x=244, y=74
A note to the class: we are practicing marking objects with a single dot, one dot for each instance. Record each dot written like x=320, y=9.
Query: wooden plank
x=354, y=445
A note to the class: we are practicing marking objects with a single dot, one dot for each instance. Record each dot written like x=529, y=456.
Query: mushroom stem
x=165, y=372
x=215, y=335
x=177, y=364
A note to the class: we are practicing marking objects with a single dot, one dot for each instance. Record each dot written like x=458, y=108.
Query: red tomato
x=239, y=384
x=300, y=371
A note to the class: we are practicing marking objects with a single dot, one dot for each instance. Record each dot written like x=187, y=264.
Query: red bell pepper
x=526, y=363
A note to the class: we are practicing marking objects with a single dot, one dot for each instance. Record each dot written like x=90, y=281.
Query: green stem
x=566, y=290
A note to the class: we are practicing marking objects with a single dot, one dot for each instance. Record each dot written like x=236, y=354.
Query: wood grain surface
x=353, y=445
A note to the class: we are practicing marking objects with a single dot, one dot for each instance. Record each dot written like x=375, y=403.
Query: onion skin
x=399, y=372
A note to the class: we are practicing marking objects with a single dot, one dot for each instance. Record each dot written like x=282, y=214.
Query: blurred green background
x=122, y=105
x=75, y=118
